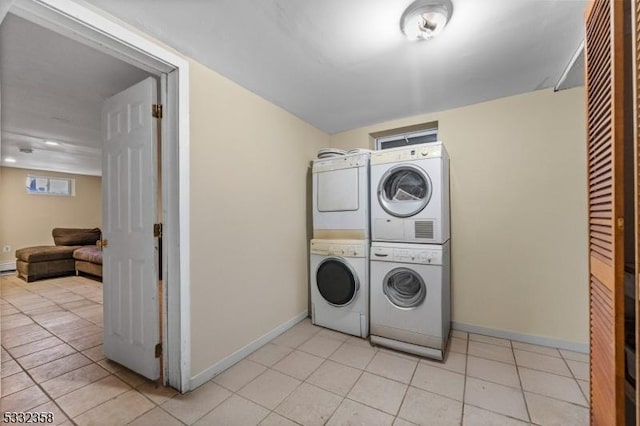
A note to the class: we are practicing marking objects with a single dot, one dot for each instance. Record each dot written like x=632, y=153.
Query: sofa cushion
x=91, y=254
x=45, y=253
x=75, y=236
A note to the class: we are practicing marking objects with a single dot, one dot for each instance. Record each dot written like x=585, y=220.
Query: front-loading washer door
x=337, y=282
x=404, y=288
x=404, y=190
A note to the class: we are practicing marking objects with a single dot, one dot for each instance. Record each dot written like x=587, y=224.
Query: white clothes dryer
x=341, y=197
x=340, y=285
x=410, y=194
x=411, y=297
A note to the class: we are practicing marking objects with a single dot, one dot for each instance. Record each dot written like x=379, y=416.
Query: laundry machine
x=411, y=297
x=410, y=194
x=341, y=196
x=340, y=285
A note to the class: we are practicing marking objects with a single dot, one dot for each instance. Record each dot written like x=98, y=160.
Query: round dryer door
x=337, y=282
x=404, y=190
x=404, y=288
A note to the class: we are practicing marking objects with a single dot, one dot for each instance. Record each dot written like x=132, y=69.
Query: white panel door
x=131, y=321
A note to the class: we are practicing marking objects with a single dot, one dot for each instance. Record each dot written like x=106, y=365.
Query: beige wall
x=249, y=233
x=518, y=211
x=27, y=219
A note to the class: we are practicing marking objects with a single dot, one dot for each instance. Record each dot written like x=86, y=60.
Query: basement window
x=51, y=186
x=411, y=135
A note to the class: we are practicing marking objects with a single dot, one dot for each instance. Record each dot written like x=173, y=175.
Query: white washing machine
x=340, y=285
x=410, y=194
x=411, y=297
x=341, y=197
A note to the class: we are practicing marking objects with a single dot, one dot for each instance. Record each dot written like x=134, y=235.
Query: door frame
x=95, y=28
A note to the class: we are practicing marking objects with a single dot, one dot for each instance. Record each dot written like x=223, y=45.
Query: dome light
x=425, y=19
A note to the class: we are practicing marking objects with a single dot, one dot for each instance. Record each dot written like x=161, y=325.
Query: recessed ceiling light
x=9, y=160
x=52, y=143
x=425, y=19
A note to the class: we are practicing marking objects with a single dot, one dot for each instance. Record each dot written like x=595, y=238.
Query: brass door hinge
x=157, y=230
x=156, y=110
x=102, y=243
x=158, y=350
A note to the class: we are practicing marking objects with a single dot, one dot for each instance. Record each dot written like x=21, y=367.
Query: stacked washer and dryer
x=410, y=249
x=339, y=265
x=397, y=288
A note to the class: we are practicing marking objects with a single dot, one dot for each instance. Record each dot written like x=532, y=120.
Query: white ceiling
x=341, y=64
x=338, y=64
x=53, y=89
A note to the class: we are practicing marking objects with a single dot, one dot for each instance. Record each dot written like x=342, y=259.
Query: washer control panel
x=341, y=162
x=342, y=248
x=416, y=152
x=427, y=256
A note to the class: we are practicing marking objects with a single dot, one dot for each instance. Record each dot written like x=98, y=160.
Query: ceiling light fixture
x=425, y=19
x=52, y=143
x=9, y=160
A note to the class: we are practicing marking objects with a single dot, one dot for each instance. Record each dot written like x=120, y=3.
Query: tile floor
x=52, y=361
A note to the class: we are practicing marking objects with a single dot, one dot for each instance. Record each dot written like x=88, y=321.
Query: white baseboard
x=521, y=337
x=8, y=266
x=220, y=366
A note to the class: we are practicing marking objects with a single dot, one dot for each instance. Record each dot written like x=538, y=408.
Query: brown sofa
x=34, y=263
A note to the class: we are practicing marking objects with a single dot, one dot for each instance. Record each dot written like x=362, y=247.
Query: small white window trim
x=71, y=186
x=381, y=141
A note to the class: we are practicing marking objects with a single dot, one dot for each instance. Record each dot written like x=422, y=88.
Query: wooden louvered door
x=605, y=90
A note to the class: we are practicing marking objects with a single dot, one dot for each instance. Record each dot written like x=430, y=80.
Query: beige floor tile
x=16, y=320
x=269, y=389
x=490, y=351
x=378, y=392
x=80, y=333
x=358, y=341
x=579, y=369
x=9, y=368
x=110, y=366
x=23, y=400
x=353, y=355
x=8, y=310
x=298, y=364
x=493, y=371
x=321, y=346
x=453, y=361
x=69, y=326
x=402, y=422
x=87, y=342
x=335, y=377
x=325, y=332
x=457, y=344
x=541, y=362
x=15, y=383
x=426, y=408
x=353, y=413
x=488, y=339
x=189, y=407
x=497, y=398
x=439, y=380
x=129, y=377
x=239, y=375
x=59, y=417
x=275, y=419
x=584, y=386
x=405, y=355
x=4, y=355
x=235, y=411
x=552, y=412
x=29, y=348
x=92, y=395
x=156, y=417
x=95, y=354
x=309, y=405
x=392, y=367
x=544, y=350
x=474, y=416
x=58, y=367
x=157, y=394
x=574, y=356
x=118, y=411
x=551, y=385
x=44, y=356
x=73, y=380
x=460, y=334
x=297, y=335
x=21, y=339
x=269, y=354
